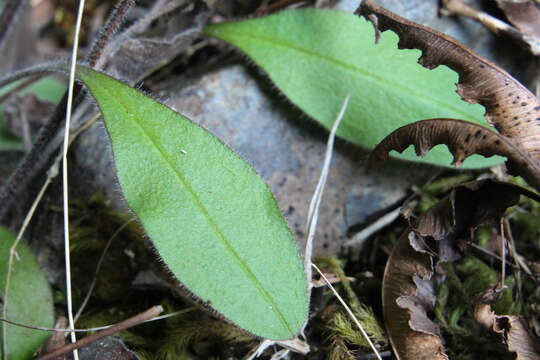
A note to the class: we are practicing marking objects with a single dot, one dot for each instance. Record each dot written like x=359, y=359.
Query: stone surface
x=287, y=150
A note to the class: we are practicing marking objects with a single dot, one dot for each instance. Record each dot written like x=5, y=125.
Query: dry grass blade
x=463, y=139
x=313, y=212
x=512, y=109
x=65, y=174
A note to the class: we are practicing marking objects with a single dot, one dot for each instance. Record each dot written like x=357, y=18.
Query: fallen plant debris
x=413, y=270
x=513, y=329
x=524, y=15
x=510, y=107
x=153, y=48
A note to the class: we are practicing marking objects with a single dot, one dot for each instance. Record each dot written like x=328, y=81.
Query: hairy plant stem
x=34, y=161
x=8, y=17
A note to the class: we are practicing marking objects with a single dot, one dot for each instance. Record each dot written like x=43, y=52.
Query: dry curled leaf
x=512, y=109
x=513, y=329
x=412, y=334
x=463, y=139
x=411, y=277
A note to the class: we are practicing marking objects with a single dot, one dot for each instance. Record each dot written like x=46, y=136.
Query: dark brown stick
x=133, y=321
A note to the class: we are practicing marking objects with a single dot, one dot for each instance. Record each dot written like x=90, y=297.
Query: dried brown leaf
x=513, y=329
x=525, y=15
x=516, y=14
x=410, y=277
x=463, y=139
x=512, y=109
x=412, y=334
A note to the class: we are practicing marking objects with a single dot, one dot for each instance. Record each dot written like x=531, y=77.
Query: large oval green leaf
x=30, y=299
x=212, y=219
x=316, y=57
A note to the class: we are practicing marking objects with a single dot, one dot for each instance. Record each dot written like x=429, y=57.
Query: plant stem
x=136, y=320
x=8, y=17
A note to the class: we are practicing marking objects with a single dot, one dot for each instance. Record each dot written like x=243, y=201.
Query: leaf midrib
x=212, y=224
x=350, y=67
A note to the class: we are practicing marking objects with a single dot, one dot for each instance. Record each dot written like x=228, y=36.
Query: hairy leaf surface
x=316, y=57
x=211, y=218
x=29, y=302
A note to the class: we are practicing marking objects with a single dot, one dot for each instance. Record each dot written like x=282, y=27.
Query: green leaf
x=30, y=299
x=211, y=218
x=46, y=89
x=316, y=57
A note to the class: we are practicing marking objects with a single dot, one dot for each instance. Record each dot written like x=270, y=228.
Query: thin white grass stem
x=349, y=312
x=65, y=174
x=12, y=252
x=313, y=212
x=98, y=268
x=503, y=254
x=51, y=174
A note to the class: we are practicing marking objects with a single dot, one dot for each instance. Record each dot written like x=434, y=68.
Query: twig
x=65, y=175
x=99, y=328
x=489, y=253
x=519, y=261
x=503, y=254
x=126, y=324
x=349, y=312
x=8, y=17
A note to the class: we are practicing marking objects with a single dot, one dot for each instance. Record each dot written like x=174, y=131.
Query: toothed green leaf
x=316, y=57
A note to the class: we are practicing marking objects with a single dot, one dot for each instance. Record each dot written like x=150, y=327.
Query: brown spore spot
x=497, y=142
x=484, y=137
x=528, y=120
x=536, y=108
x=514, y=102
x=524, y=104
x=481, y=66
x=517, y=97
x=477, y=133
x=468, y=138
x=515, y=117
